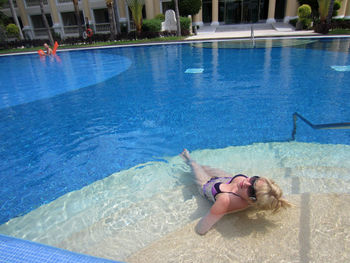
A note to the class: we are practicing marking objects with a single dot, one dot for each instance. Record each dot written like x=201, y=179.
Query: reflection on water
x=258, y=43
x=28, y=78
x=336, y=45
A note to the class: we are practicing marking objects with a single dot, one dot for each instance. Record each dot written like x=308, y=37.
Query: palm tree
x=46, y=24
x=109, y=4
x=325, y=9
x=15, y=18
x=136, y=11
x=178, y=26
x=330, y=12
x=77, y=15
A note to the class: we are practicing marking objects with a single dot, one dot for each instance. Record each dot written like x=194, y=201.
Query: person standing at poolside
x=232, y=194
x=48, y=50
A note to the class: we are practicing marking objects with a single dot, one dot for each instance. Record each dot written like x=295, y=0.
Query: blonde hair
x=269, y=196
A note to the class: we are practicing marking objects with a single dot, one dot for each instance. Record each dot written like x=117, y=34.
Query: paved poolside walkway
x=278, y=29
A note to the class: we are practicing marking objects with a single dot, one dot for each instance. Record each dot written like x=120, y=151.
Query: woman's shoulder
x=230, y=203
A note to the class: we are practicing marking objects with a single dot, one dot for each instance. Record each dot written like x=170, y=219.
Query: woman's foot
x=186, y=156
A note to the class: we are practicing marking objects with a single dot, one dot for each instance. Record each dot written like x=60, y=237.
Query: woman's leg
x=201, y=176
x=215, y=172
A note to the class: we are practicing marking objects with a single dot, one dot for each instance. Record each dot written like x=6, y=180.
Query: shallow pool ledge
x=317, y=229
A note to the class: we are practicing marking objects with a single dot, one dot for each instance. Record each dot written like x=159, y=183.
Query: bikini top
x=216, y=187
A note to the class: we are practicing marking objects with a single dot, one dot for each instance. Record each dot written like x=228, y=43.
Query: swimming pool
x=130, y=110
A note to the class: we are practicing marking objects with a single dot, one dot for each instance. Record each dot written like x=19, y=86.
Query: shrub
x=151, y=25
x=12, y=30
x=185, y=23
x=340, y=23
x=336, y=7
x=314, y=6
x=293, y=22
x=160, y=17
x=305, y=23
x=304, y=20
x=304, y=11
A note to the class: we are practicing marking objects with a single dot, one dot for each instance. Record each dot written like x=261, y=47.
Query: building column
x=347, y=11
x=27, y=28
x=149, y=9
x=87, y=11
x=156, y=5
x=215, y=13
x=342, y=10
x=291, y=10
x=122, y=9
x=56, y=25
x=198, y=18
x=271, y=14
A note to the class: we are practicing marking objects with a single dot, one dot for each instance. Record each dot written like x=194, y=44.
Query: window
x=38, y=22
x=69, y=18
x=101, y=16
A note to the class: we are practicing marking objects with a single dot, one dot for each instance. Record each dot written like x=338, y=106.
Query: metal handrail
x=252, y=35
x=340, y=125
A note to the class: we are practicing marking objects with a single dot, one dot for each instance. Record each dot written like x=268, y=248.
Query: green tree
x=189, y=7
x=136, y=11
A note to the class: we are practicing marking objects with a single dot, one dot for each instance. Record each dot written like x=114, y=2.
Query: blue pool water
x=69, y=122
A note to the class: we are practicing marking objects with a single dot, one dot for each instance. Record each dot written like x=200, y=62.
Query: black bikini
x=216, y=188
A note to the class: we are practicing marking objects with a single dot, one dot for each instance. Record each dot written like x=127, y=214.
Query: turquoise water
x=127, y=111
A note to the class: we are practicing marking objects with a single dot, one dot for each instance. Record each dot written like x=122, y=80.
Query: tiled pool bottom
x=153, y=204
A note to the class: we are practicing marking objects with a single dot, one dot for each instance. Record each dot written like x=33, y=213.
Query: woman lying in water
x=231, y=194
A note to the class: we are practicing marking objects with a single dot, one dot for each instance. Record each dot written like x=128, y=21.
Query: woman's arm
x=223, y=205
x=217, y=211
x=206, y=223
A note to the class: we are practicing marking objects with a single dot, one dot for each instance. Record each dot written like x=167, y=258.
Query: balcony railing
x=103, y=27
x=65, y=1
x=71, y=30
x=34, y=2
x=39, y=32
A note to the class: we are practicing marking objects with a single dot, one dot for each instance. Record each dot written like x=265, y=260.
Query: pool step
x=115, y=238
x=315, y=230
x=130, y=209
